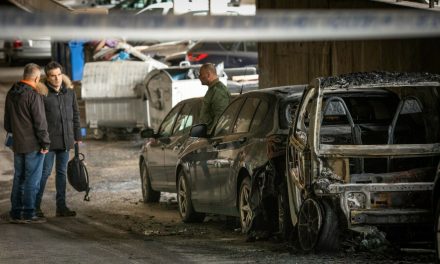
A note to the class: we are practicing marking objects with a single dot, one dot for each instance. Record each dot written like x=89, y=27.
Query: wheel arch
x=242, y=174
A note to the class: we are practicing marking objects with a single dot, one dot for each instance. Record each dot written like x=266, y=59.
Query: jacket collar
x=29, y=83
x=52, y=90
x=213, y=83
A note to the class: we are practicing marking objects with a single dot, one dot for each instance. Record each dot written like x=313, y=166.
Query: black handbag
x=77, y=174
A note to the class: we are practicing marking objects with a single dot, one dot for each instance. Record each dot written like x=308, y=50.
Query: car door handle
x=215, y=144
x=242, y=140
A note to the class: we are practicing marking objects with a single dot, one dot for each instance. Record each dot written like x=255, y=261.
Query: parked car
x=133, y=6
x=159, y=155
x=243, y=157
x=27, y=49
x=163, y=8
x=232, y=54
x=363, y=151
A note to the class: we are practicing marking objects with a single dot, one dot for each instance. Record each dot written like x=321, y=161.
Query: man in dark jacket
x=26, y=120
x=64, y=130
x=216, y=98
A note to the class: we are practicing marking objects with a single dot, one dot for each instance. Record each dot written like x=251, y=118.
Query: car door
x=299, y=155
x=234, y=150
x=206, y=183
x=187, y=117
x=156, y=151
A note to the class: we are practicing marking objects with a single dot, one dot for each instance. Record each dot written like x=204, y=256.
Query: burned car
x=363, y=151
x=217, y=172
x=159, y=154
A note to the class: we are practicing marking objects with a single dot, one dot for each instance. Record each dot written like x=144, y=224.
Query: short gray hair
x=209, y=67
x=31, y=70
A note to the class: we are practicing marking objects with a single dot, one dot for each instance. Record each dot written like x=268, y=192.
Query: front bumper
x=371, y=214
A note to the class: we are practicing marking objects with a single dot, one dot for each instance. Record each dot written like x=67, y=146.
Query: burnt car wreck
x=363, y=151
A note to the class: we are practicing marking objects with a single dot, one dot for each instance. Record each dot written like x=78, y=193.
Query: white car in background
x=27, y=49
x=163, y=8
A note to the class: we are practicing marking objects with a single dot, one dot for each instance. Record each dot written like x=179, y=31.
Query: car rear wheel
x=437, y=234
x=149, y=195
x=186, y=209
x=317, y=226
x=246, y=214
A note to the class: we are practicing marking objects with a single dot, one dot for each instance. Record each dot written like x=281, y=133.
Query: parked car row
x=312, y=160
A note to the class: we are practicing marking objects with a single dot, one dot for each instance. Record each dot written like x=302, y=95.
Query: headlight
x=356, y=200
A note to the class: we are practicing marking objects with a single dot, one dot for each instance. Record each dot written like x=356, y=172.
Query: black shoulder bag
x=77, y=174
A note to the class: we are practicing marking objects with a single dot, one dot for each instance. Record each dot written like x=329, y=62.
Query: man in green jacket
x=216, y=98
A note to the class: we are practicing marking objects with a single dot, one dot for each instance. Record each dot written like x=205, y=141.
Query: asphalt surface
x=116, y=227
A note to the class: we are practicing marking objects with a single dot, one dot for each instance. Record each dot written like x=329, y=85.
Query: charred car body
x=216, y=172
x=363, y=150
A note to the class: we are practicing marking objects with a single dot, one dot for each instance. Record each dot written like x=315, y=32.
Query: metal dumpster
x=110, y=92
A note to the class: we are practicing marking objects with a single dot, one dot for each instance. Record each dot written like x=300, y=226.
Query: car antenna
x=242, y=84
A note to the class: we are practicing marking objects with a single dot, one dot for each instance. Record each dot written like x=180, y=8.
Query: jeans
x=27, y=176
x=62, y=157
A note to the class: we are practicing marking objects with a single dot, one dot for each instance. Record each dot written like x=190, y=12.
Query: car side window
x=240, y=47
x=260, y=115
x=166, y=128
x=226, y=120
x=227, y=45
x=186, y=119
x=246, y=114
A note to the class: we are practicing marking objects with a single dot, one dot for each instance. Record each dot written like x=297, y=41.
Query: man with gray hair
x=26, y=120
x=216, y=98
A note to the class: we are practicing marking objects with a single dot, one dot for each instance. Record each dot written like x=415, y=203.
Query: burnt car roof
x=284, y=91
x=379, y=79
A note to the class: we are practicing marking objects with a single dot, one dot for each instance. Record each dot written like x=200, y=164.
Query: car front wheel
x=148, y=194
x=246, y=214
x=318, y=226
x=186, y=209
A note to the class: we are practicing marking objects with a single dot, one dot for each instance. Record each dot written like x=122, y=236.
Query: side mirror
x=199, y=130
x=147, y=133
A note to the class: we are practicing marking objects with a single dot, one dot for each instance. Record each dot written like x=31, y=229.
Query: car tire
x=285, y=226
x=318, y=227
x=437, y=233
x=148, y=194
x=186, y=209
x=246, y=214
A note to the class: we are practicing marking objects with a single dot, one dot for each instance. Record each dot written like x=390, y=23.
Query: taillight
x=17, y=44
x=197, y=57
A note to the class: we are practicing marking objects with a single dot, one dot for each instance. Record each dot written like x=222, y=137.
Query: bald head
x=208, y=73
x=32, y=72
